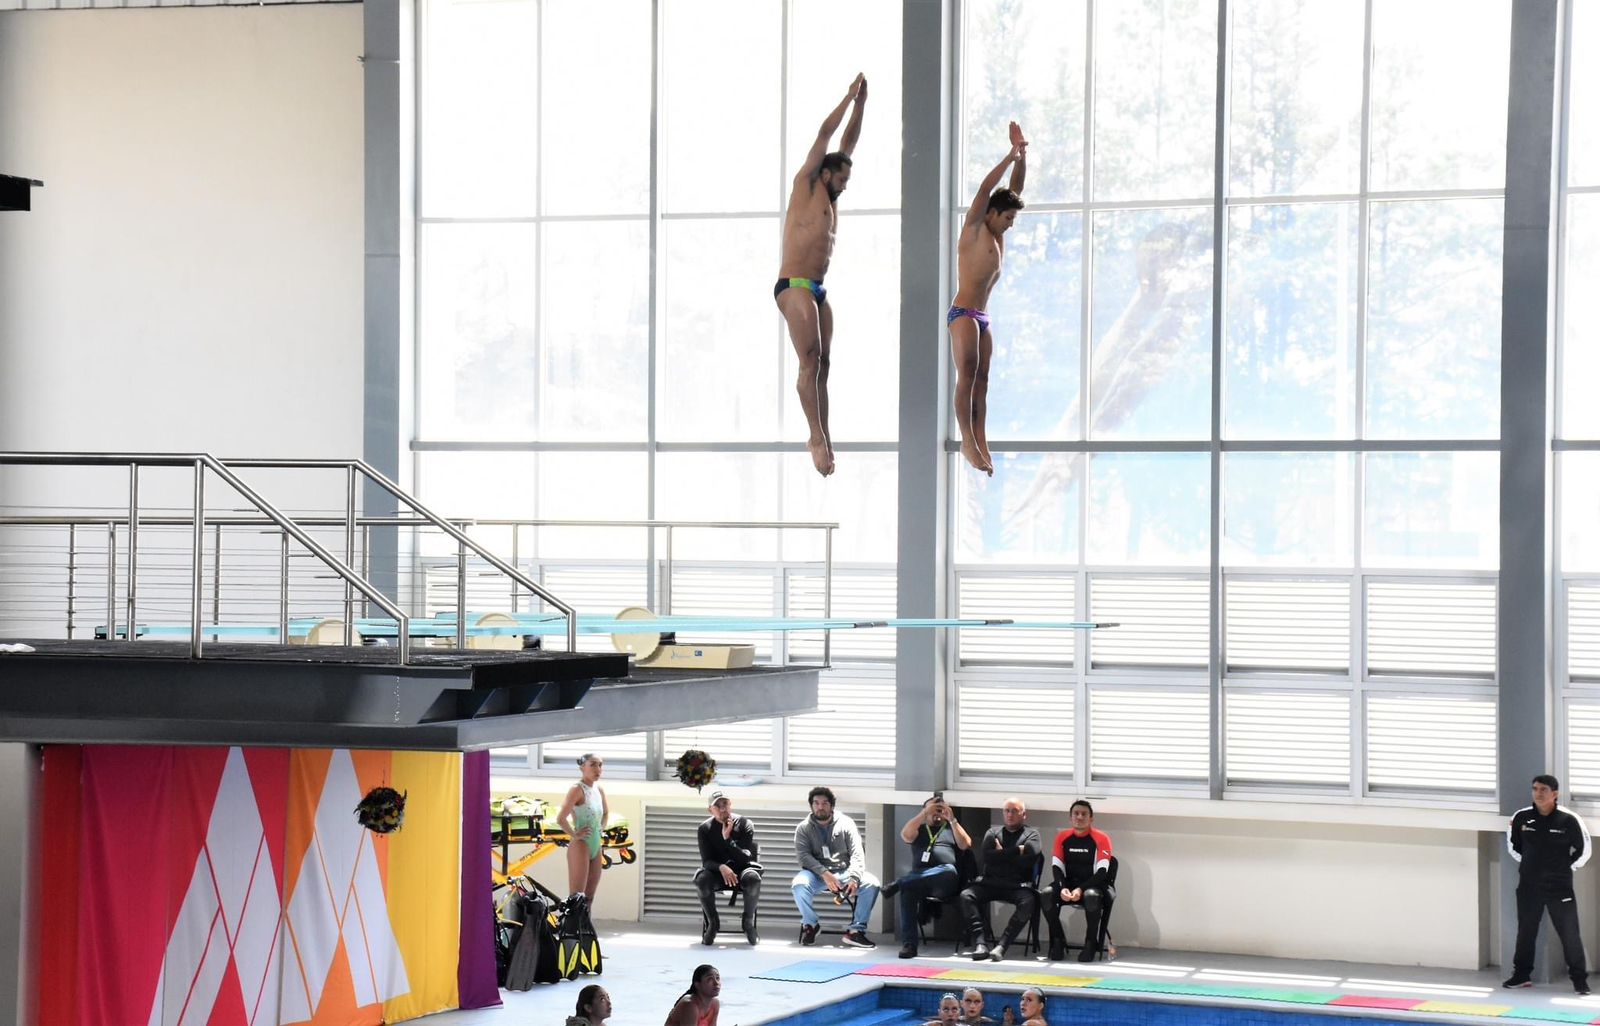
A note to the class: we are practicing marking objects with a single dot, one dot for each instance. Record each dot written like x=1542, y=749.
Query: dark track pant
x=974, y=908
x=710, y=884
x=934, y=881
x=1093, y=904
x=1563, y=908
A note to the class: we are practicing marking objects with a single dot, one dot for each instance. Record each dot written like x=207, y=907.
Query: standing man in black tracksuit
x=1549, y=842
x=729, y=860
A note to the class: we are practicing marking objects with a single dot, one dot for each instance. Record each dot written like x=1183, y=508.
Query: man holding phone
x=936, y=841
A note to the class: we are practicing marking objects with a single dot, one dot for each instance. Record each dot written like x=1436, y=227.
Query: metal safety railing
x=195, y=571
x=356, y=469
x=201, y=464
x=667, y=527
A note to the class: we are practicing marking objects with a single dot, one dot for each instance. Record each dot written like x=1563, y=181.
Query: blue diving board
x=540, y=625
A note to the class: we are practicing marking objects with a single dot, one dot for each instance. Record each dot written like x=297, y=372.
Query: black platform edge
x=149, y=692
x=473, y=667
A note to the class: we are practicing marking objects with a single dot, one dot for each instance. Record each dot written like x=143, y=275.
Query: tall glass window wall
x=602, y=188
x=1578, y=420
x=1248, y=403
x=1333, y=284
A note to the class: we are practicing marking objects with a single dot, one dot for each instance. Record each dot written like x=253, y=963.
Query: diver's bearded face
x=835, y=182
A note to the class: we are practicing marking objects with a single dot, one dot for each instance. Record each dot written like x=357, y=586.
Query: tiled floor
x=648, y=966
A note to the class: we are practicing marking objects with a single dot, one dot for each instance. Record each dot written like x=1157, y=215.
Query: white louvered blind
x=1287, y=624
x=1422, y=627
x=601, y=589
x=745, y=745
x=727, y=591
x=1164, y=621
x=1583, y=750
x=857, y=595
x=855, y=730
x=1022, y=597
x=672, y=854
x=620, y=748
x=1430, y=741
x=1011, y=729
x=1149, y=734
x=1583, y=631
x=1288, y=737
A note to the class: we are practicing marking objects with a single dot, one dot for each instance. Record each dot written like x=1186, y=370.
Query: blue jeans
x=806, y=884
x=935, y=881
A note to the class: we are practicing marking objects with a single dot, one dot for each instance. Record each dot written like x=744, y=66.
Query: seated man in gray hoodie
x=831, y=858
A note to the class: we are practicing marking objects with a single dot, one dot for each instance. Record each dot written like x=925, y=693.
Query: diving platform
x=153, y=692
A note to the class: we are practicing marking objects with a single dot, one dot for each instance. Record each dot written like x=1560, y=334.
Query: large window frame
x=1356, y=683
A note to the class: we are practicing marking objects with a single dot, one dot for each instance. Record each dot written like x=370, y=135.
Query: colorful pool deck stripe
x=806, y=971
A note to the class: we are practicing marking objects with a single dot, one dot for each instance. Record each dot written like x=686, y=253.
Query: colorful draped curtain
x=223, y=886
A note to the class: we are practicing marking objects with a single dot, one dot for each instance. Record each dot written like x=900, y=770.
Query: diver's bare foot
x=988, y=460
x=821, y=456
x=973, y=455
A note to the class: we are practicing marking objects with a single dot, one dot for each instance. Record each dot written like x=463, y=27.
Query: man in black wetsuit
x=1010, y=854
x=729, y=858
x=1549, y=842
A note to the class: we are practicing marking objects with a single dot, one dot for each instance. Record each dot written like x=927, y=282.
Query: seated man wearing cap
x=728, y=859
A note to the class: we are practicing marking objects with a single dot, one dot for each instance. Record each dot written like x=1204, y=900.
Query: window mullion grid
x=1560, y=633
x=1563, y=177
x=1082, y=643
x=1358, y=597
x=1217, y=774
x=538, y=227
x=653, y=302
x=1080, y=678
x=1358, y=678
x=1563, y=671
x=786, y=21
x=1086, y=248
x=1363, y=219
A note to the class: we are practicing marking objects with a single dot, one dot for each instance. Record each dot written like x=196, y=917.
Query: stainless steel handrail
x=201, y=462
x=463, y=542
x=365, y=523
x=245, y=520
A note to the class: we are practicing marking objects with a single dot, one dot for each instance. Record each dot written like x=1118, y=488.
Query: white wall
x=191, y=274
x=1376, y=884
x=1294, y=890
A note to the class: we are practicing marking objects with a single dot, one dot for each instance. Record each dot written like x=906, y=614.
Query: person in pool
x=583, y=817
x=699, y=1005
x=949, y=1012
x=594, y=1007
x=1031, y=1006
x=972, y=1009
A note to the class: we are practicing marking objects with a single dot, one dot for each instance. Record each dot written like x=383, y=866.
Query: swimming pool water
x=897, y=1005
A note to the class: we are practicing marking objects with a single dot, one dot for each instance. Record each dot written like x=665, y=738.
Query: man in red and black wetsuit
x=1079, y=869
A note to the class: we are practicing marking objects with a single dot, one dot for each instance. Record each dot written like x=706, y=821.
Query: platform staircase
x=183, y=597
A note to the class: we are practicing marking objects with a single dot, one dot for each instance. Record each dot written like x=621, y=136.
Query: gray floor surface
x=648, y=965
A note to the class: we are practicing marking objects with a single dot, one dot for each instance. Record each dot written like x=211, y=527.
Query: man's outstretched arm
x=1019, y=170
x=830, y=124
x=852, y=131
x=980, y=200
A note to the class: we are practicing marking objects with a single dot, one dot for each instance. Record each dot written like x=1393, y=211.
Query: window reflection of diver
x=1142, y=349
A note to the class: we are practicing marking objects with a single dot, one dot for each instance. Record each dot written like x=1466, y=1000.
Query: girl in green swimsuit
x=583, y=817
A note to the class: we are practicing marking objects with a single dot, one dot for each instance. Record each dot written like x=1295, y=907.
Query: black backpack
x=577, y=944
x=532, y=947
